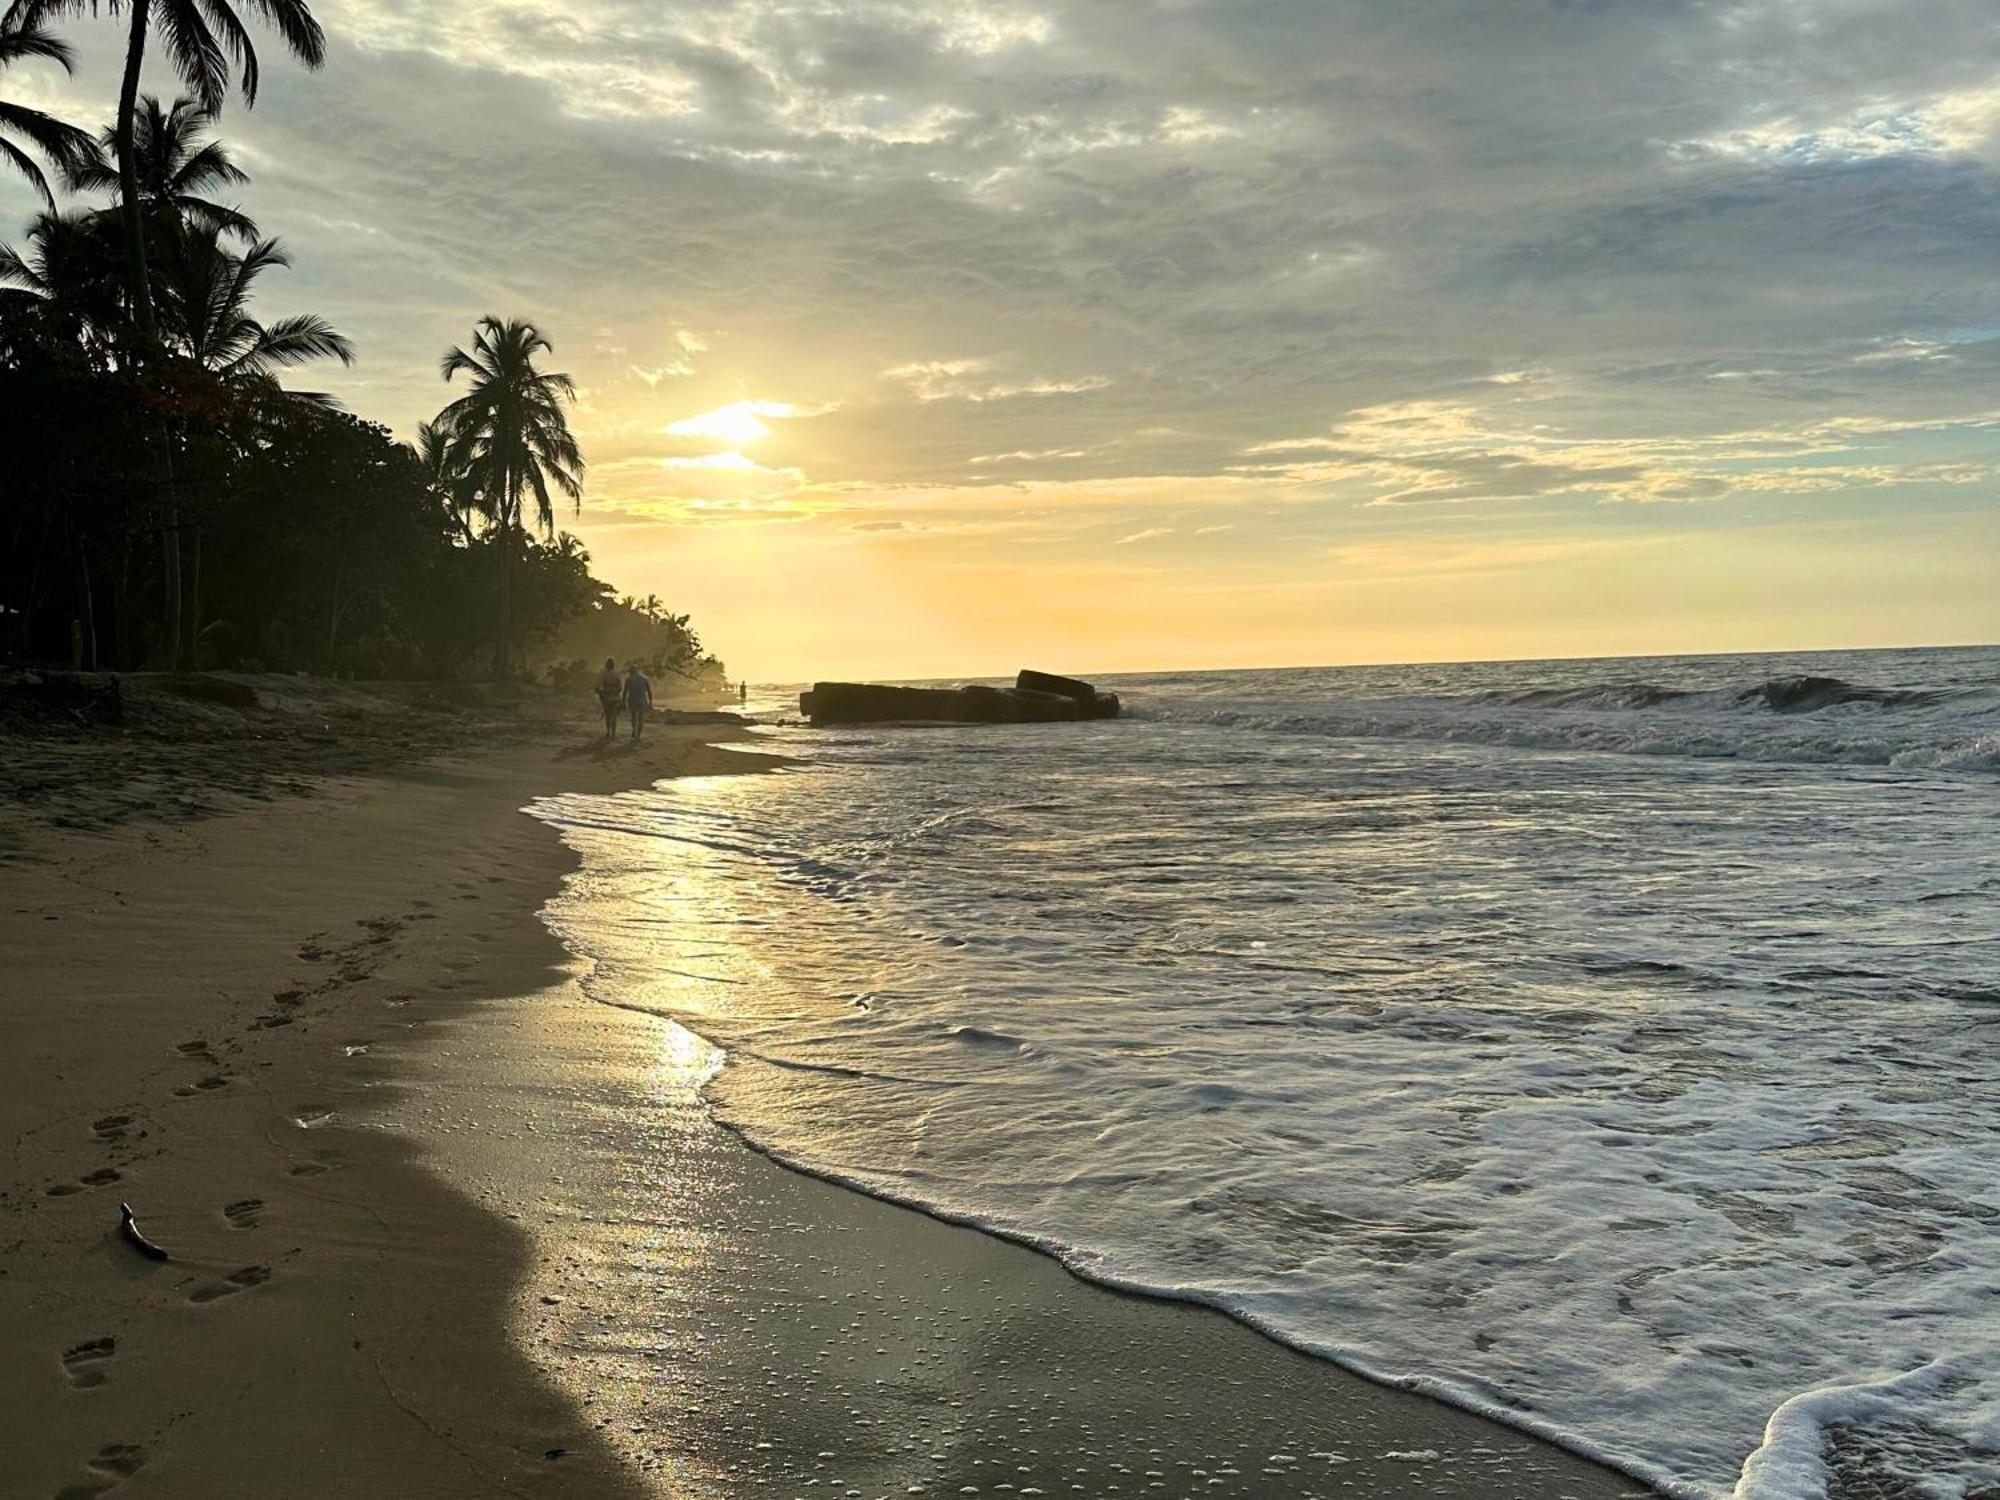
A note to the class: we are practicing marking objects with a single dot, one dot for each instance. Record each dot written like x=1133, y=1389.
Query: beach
x=428, y=1208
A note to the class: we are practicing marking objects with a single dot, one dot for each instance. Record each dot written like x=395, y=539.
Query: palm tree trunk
x=137, y=284
x=121, y=634
x=194, y=606
x=503, y=657
x=169, y=654
x=89, y=607
x=333, y=621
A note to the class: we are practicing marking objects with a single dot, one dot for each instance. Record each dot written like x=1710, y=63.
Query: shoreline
x=348, y=1161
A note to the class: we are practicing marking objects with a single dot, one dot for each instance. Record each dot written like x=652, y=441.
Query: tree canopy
x=169, y=501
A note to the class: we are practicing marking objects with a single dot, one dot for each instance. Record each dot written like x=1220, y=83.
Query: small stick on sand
x=129, y=1227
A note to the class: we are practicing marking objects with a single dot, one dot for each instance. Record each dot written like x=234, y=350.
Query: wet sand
x=440, y=1226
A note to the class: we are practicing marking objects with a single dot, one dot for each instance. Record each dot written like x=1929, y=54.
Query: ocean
x=1611, y=1046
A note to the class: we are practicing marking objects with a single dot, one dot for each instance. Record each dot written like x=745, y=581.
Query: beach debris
x=1035, y=698
x=129, y=1227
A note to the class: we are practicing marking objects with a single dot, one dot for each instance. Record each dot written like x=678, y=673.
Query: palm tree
x=205, y=292
x=67, y=279
x=510, y=438
x=175, y=166
x=61, y=143
x=189, y=28
x=444, y=479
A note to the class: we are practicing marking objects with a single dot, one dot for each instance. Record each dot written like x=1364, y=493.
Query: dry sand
x=439, y=1226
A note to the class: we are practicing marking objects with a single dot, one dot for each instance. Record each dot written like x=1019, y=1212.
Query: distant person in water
x=610, y=693
x=638, y=697
x=742, y=692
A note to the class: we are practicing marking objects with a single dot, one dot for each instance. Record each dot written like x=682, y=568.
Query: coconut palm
x=444, y=479
x=205, y=289
x=203, y=38
x=175, y=165
x=510, y=438
x=61, y=143
x=67, y=280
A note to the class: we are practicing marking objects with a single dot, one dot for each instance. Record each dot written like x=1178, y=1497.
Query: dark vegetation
x=166, y=503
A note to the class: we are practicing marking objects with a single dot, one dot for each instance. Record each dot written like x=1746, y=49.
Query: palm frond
x=193, y=50
x=293, y=20
x=236, y=41
x=30, y=40
x=29, y=168
x=298, y=340
x=205, y=166
x=27, y=15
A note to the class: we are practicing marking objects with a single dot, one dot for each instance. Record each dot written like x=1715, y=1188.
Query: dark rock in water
x=875, y=703
x=1030, y=681
x=1030, y=701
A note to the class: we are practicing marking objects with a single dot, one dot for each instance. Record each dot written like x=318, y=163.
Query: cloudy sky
x=922, y=336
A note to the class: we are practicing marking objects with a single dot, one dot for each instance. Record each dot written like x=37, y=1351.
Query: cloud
x=1346, y=260
x=972, y=380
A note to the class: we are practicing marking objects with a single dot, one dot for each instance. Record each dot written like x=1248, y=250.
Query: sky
x=926, y=338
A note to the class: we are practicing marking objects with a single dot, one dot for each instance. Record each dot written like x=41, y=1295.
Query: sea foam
x=1608, y=1047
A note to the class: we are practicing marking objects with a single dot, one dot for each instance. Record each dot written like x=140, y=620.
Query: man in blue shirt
x=638, y=697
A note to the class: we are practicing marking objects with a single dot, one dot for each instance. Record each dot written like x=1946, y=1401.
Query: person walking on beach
x=638, y=697
x=610, y=693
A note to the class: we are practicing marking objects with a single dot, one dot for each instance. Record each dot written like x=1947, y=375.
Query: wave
x=1808, y=694
x=1800, y=718
x=1799, y=693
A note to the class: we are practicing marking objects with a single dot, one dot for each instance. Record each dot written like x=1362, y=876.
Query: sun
x=738, y=423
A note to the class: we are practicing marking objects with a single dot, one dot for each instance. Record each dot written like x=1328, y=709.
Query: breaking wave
x=1804, y=718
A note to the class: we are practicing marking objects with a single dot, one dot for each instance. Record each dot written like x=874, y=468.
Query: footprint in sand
x=321, y=1163
x=244, y=1213
x=202, y=1085
x=111, y=1128
x=110, y=1467
x=84, y=1363
x=230, y=1285
x=102, y=1177
x=196, y=1048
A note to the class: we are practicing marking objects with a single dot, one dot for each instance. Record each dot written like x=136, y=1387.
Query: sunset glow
x=1214, y=361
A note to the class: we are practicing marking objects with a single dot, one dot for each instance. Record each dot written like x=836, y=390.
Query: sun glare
x=738, y=423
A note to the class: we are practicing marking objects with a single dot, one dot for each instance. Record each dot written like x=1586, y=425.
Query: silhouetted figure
x=610, y=693
x=742, y=693
x=638, y=697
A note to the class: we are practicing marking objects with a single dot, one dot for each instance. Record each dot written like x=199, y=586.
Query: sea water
x=1612, y=1046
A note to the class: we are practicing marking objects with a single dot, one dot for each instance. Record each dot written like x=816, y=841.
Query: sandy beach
x=439, y=1225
